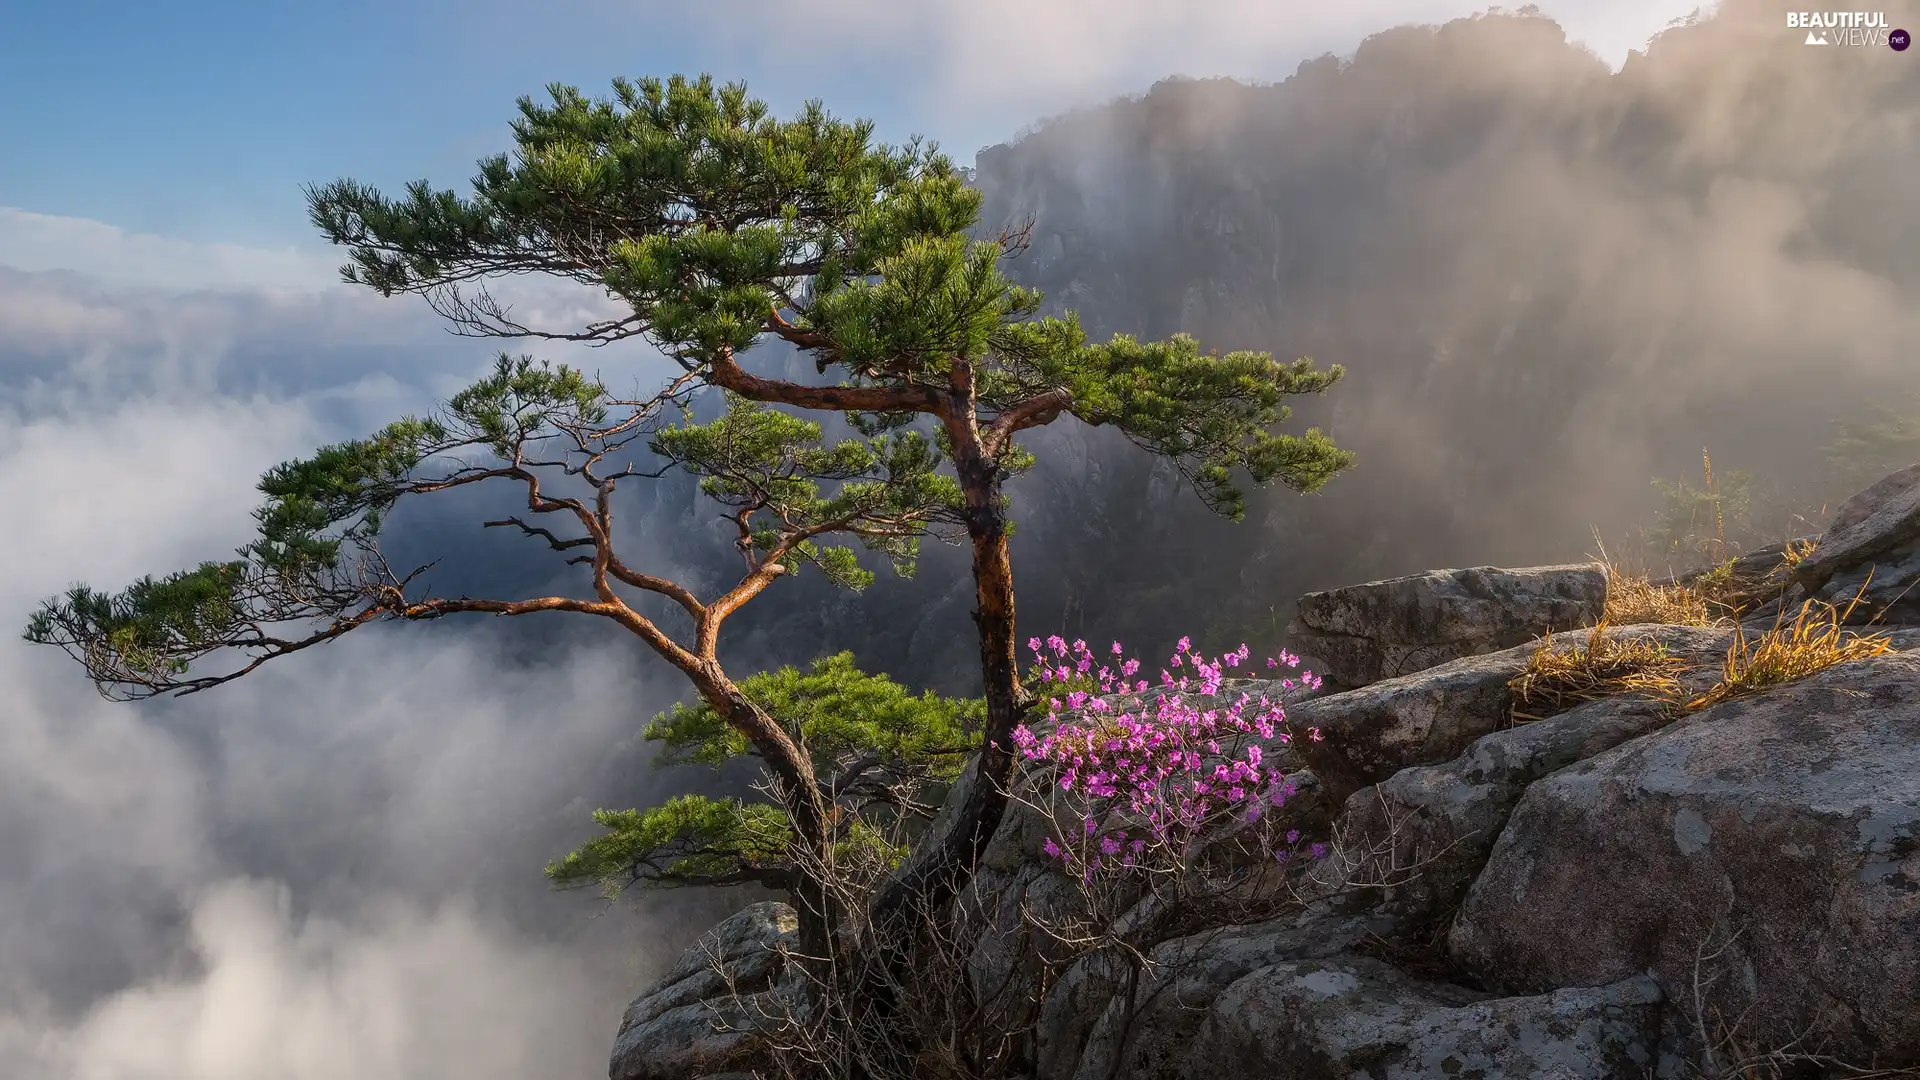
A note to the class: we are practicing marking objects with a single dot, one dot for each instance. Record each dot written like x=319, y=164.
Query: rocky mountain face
x=1612, y=891
x=1548, y=281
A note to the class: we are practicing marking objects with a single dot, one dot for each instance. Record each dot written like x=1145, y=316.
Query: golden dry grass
x=1713, y=598
x=1633, y=599
x=1558, y=677
x=1792, y=649
x=1795, y=554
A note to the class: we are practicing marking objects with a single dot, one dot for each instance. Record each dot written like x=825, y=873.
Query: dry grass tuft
x=1633, y=599
x=1558, y=678
x=1811, y=641
x=1711, y=597
x=1721, y=588
x=1795, y=554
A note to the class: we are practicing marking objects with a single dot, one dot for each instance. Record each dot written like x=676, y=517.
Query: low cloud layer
x=111, y=255
x=403, y=991
x=332, y=868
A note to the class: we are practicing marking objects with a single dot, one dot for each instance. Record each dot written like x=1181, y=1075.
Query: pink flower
x=1148, y=763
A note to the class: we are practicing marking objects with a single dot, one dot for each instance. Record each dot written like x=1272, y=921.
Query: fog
x=1550, y=281
x=332, y=868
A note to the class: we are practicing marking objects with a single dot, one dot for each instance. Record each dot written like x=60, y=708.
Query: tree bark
x=811, y=854
x=944, y=868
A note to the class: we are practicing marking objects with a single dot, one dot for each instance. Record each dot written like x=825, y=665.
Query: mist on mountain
x=1549, y=281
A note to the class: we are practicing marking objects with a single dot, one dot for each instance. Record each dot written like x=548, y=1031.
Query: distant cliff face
x=1549, y=281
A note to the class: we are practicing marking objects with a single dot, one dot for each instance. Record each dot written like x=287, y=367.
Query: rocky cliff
x=1549, y=281
x=1620, y=888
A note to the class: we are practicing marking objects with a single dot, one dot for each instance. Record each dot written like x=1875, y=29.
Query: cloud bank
x=333, y=868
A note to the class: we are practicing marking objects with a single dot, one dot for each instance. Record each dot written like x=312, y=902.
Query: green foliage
x=708, y=217
x=155, y=626
x=878, y=746
x=886, y=491
x=937, y=298
x=1867, y=449
x=864, y=851
x=1209, y=413
x=340, y=493
x=1694, y=521
x=839, y=712
x=522, y=401
x=683, y=198
x=687, y=840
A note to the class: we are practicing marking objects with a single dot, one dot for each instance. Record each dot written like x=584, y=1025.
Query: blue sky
x=200, y=121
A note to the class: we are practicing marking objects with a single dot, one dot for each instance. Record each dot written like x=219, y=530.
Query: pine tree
x=718, y=229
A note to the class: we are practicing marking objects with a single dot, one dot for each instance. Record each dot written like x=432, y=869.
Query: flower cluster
x=1148, y=778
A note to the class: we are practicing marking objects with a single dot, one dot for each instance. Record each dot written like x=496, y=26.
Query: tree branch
x=805, y=339
x=275, y=648
x=553, y=541
x=1037, y=411
x=726, y=373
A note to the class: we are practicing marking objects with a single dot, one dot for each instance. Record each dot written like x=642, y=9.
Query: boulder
x=1873, y=544
x=1085, y=1021
x=700, y=1018
x=1359, y=1017
x=1006, y=917
x=1384, y=629
x=1018, y=893
x=1433, y=716
x=1429, y=828
x=1780, y=831
x=1422, y=835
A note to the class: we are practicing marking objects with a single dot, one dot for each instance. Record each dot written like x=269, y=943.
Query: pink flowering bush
x=1149, y=775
